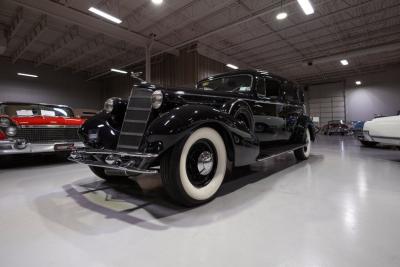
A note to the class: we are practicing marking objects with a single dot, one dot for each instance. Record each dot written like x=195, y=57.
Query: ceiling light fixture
x=232, y=66
x=157, y=2
x=344, y=62
x=358, y=82
x=306, y=6
x=27, y=75
x=105, y=15
x=119, y=71
x=281, y=15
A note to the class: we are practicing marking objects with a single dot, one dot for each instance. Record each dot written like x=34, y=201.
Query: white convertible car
x=385, y=130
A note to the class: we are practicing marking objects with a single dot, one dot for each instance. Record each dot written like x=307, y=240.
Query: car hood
x=45, y=121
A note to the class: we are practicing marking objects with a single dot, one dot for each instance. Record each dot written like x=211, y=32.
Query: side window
x=261, y=87
x=291, y=93
x=273, y=88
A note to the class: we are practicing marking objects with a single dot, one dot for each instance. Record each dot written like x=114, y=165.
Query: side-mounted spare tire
x=193, y=171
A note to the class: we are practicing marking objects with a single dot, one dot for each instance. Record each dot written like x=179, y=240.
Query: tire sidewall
x=207, y=192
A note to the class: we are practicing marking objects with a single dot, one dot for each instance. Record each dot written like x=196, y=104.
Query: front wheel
x=304, y=152
x=193, y=171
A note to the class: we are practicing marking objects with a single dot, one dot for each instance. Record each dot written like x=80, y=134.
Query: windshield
x=237, y=83
x=13, y=110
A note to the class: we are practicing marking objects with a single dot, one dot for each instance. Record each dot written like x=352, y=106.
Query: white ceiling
x=64, y=34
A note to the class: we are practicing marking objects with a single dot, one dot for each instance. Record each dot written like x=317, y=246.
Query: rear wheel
x=304, y=152
x=193, y=171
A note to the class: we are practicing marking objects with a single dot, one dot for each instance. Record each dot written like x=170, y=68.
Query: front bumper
x=121, y=161
x=12, y=147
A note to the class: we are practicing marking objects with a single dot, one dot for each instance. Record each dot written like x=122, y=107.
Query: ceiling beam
x=108, y=55
x=70, y=36
x=92, y=46
x=30, y=38
x=16, y=23
x=84, y=20
x=210, y=52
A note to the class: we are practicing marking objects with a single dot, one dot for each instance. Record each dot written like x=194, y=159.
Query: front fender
x=177, y=124
x=303, y=122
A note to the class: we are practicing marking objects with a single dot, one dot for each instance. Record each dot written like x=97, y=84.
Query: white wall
x=378, y=94
x=53, y=87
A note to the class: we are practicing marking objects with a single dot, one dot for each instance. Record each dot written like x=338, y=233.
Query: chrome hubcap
x=205, y=163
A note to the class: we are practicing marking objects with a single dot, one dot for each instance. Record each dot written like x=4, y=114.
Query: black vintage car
x=189, y=135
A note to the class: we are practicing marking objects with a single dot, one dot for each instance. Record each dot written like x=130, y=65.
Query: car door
x=291, y=110
x=268, y=126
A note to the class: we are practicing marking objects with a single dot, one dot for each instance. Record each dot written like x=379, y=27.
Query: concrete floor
x=340, y=208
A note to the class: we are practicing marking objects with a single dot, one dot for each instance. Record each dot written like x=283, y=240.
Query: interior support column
x=148, y=58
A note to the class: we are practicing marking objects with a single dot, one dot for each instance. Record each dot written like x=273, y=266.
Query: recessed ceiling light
x=27, y=75
x=119, y=71
x=344, y=62
x=105, y=15
x=282, y=15
x=306, y=6
x=358, y=82
x=232, y=66
x=157, y=2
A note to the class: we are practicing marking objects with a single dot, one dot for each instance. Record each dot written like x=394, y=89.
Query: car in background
x=335, y=127
x=37, y=128
x=357, y=128
x=383, y=130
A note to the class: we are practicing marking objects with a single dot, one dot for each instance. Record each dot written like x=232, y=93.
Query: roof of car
x=27, y=103
x=248, y=71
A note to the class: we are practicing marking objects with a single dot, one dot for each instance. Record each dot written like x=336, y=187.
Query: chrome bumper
x=10, y=147
x=122, y=161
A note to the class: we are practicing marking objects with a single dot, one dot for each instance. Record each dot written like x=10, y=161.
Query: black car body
x=257, y=115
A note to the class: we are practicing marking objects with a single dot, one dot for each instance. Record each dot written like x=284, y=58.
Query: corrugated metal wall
x=169, y=70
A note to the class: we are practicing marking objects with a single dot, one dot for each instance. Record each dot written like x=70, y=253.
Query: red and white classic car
x=37, y=128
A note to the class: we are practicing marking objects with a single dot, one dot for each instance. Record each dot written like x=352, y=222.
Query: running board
x=271, y=153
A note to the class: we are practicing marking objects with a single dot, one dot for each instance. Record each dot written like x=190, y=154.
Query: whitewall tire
x=194, y=170
x=304, y=152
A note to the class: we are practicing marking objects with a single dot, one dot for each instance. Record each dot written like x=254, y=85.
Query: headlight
x=157, y=99
x=109, y=105
x=4, y=122
x=11, y=131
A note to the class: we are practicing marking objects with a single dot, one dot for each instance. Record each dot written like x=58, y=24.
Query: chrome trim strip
x=132, y=134
x=104, y=165
x=122, y=154
x=49, y=126
x=384, y=137
x=139, y=109
x=136, y=121
x=127, y=146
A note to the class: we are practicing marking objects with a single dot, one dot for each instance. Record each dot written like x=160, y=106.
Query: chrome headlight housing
x=109, y=105
x=157, y=99
x=4, y=122
x=11, y=131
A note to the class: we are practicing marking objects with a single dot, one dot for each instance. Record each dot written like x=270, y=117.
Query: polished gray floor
x=340, y=208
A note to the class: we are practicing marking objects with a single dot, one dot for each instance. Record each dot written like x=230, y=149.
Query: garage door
x=327, y=109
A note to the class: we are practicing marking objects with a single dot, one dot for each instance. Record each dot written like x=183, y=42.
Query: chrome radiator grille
x=136, y=116
x=48, y=134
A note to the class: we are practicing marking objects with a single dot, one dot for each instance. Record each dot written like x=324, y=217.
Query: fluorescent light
x=282, y=15
x=105, y=15
x=26, y=74
x=358, y=82
x=119, y=71
x=306, y=6
x=232, y=66
x=157, y=2
x=344, y=62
